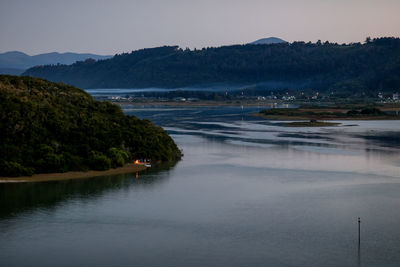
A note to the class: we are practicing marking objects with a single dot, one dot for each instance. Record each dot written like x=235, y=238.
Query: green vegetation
x=369, y=67
x=365, y=112
x=48, y=127
x=351, y=112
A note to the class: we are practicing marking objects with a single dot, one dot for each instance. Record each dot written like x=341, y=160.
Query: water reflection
x=247, y=193
x=16, y=198
x=371, y=147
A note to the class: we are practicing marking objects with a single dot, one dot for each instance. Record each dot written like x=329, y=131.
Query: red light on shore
x=137, y=161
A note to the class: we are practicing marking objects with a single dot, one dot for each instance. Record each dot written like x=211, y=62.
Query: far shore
x=322, y=118
x=248, y=102
x=198, y=103
x=44, y=177
x=331, y=113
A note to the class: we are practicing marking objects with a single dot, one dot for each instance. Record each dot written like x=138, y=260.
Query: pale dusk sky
x=109, y=27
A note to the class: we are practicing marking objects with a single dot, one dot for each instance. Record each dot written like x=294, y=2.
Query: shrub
x=11, y=168
x=118, y=157
x=98, y=161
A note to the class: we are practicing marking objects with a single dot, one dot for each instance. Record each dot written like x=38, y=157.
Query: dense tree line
x=373, y=65
x=52, y=127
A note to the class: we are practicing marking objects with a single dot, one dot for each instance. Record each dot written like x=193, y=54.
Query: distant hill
x=270, y=40
x=45, y=127
x=11, y=71
x=372, y=66
x=16, y=62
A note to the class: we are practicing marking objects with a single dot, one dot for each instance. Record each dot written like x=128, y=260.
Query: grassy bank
x=329, y=113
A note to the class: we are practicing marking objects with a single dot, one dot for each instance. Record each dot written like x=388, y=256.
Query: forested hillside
x=51, y=127
x=373, y=65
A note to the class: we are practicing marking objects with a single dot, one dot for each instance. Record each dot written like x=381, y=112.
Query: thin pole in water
x=359, y=244
x=359, y=236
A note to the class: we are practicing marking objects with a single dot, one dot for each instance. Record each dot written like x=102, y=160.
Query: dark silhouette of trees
x=369, y=66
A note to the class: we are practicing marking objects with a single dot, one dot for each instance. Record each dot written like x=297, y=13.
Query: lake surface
x=248, y=192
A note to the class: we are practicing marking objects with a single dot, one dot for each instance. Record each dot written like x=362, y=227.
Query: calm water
x=248, y=192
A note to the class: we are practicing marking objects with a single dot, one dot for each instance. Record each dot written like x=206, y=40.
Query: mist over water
x=248, y=192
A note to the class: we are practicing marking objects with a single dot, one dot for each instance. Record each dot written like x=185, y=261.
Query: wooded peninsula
x=51, y=127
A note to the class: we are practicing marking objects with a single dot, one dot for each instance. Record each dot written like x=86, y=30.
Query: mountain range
x=363, y=67
x=16, y=62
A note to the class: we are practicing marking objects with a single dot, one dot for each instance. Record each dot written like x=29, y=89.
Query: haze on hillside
x=109, y=27
x=370, y=66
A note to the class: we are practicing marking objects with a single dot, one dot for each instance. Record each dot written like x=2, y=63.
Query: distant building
x=395, y=96
x=315, y=96
x=289, y=98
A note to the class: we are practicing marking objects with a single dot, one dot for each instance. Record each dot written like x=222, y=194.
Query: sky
x=116, y=26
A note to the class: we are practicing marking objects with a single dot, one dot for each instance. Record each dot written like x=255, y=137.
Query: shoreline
x=45, y=177
x=310, y=124
x=303, y=118
x=196, y=104
x=244, y=102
